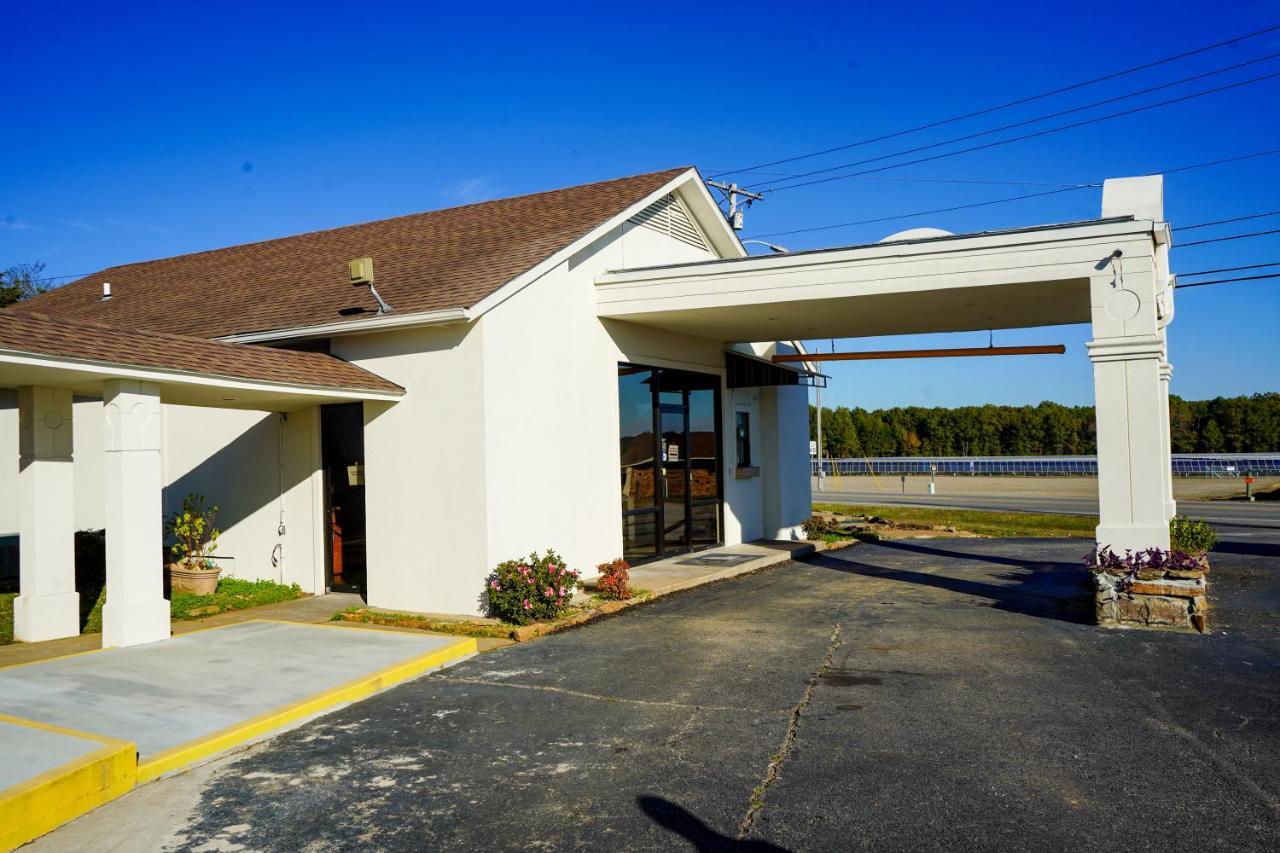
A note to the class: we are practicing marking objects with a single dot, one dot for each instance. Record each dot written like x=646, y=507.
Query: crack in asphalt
x=772, y=771
x=593, y=696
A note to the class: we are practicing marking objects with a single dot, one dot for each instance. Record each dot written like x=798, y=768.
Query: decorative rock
x=1153, y=598
x=1185, y=588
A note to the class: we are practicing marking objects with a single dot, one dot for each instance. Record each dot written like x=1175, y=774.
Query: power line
x=1038, y=133
x=1266, y=153
x=1231, y=237
x=1037, y=119
x=1225, y=221
x=1187, y=168
x=58, y=277
x=1014, y=103
x=1227, y=280
x=928, y=212
x=910, y=179
x=1229, y=269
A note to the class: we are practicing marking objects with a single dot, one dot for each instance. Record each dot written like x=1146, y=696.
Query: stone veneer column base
x=1169, y=599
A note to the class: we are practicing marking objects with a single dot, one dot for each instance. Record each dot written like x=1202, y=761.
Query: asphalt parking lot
x=918, y=694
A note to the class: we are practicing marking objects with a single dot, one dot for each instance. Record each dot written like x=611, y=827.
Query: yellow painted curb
x=182, y=755
x=32, y=808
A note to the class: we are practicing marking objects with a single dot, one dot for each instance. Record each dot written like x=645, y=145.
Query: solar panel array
x=1184, y=465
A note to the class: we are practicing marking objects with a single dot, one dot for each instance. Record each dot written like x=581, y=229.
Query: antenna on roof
x=361, y=270
x=731, y=192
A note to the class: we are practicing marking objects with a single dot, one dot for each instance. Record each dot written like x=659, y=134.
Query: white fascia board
x=549, y=263
x=719, y=231
x=111, y=370
x=880, y=251
x=444, y=317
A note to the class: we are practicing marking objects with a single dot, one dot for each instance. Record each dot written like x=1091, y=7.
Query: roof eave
x=442, y=317
x=144, y=373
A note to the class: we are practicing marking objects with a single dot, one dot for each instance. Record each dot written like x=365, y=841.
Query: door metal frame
x=659, y=508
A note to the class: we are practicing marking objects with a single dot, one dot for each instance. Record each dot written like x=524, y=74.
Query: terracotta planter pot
x=196, y=581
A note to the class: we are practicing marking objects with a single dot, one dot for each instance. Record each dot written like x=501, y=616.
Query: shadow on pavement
x=704, y=839
x=1250, y=549
x=1016, y=562
x=1046, y=590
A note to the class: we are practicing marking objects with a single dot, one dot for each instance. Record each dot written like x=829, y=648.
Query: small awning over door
x=749, y=371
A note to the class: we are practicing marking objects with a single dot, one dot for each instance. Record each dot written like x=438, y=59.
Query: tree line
x=1222, y=425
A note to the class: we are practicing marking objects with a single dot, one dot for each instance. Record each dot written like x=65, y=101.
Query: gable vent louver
x=668, y=216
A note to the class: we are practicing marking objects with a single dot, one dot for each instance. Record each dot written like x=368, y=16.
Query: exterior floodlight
x=773, y=247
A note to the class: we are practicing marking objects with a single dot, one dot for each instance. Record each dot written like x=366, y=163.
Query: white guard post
x=136, y=610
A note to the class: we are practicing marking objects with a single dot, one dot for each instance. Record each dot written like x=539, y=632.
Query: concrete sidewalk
x=65, y=722
x=311, y=608
x=686, y=571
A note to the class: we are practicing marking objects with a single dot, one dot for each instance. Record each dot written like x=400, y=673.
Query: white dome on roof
x=916, y=234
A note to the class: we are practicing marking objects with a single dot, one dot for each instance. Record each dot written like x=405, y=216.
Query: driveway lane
x=964, y=706
x=950, y=722
x=594, y=738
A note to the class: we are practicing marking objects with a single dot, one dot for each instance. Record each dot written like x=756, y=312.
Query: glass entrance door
x=674, y=446
x=670, y=455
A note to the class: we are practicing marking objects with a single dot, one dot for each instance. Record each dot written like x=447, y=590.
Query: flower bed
x=1150, y=589
x=530, y=590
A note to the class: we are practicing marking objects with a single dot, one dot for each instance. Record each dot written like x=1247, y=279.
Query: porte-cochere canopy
x=1112, y=272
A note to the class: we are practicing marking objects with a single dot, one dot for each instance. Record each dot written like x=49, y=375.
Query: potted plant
x=195, y=539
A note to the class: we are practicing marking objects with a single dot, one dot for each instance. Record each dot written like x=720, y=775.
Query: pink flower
x=527, y=605
x=562, y=592
x=530, y=581
x=494, y=584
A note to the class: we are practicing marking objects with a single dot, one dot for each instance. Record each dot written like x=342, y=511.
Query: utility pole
x=818, y=390
x=731, y=192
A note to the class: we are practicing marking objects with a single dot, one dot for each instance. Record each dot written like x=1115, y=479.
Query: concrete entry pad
x=686, y=571
x=163, y=695
x=29, y=752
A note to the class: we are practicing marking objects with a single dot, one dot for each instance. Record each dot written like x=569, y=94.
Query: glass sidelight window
x=670, y=460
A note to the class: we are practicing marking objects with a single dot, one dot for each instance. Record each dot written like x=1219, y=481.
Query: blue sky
x=143, y=131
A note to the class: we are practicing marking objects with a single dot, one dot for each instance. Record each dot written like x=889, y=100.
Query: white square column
x=136, y=610
x=1132, y=410
x=1166, y=375
x=48, y=606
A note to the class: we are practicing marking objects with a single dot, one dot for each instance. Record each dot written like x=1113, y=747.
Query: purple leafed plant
x=1128, y=566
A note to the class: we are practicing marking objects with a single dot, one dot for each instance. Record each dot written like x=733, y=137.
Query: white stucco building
x=585, y=369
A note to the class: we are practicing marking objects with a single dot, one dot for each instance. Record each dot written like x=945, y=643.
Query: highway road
x=1235, y=521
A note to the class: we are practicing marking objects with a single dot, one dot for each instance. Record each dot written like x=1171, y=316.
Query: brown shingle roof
x=422, y=262
x=40, y=335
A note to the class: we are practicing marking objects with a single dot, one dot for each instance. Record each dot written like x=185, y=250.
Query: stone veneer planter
x=1153, y=598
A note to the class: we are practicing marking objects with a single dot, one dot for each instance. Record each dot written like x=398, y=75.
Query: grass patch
x=422, y=623
x=6, y=617
x=232, y=594
x=1001, y=524
x=637, y=594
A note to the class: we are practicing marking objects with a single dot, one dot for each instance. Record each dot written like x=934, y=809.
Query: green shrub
x=529, y=590
x=1191, y=536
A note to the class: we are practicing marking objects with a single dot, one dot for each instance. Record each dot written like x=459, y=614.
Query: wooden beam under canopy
x=963, y=352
